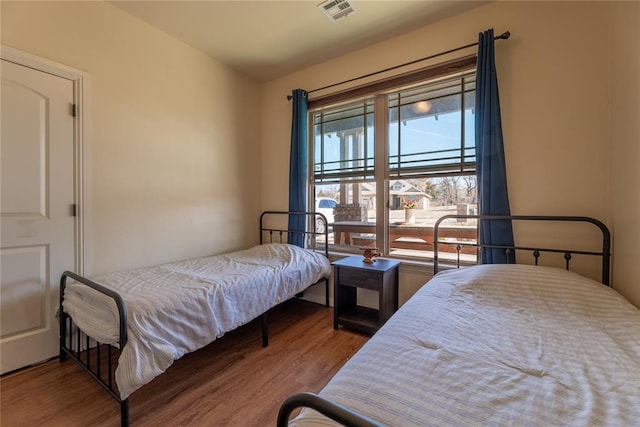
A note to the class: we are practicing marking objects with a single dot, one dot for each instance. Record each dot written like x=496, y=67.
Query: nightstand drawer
x=359, y=278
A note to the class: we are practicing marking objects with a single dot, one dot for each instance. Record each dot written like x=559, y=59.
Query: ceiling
x=268, y=39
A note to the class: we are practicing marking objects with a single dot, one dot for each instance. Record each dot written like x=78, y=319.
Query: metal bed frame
x=90, y=354
x=348, y=417
x=510, y=251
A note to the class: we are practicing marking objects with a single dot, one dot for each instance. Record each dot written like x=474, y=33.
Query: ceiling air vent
x=336, y=9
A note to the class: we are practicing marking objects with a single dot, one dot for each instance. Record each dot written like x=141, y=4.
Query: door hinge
x=73, y=110
x=74, y=210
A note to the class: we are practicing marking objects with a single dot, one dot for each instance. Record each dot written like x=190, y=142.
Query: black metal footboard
x=335, y=411
x=89, y=353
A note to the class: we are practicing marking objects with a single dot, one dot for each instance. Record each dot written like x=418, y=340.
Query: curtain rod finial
x=304, y=93
x=505, y=35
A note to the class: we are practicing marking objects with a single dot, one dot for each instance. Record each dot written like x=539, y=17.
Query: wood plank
x=234, y=381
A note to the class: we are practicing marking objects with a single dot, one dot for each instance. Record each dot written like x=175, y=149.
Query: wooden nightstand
x=351, y=273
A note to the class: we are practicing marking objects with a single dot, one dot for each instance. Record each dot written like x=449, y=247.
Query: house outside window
x=395, y=162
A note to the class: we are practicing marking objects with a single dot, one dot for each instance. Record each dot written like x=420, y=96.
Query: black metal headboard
x=272, y=229
x=605, y=253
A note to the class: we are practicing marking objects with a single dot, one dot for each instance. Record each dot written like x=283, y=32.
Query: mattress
x=500, y=345
x=177, y=308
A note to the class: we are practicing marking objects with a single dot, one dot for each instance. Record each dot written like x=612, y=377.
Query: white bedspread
x=499, y=345
x=180, y=307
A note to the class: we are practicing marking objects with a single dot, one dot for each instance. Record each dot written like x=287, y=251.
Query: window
x=395, y=162
x=327, y=204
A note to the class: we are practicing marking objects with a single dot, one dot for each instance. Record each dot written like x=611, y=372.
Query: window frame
x=379, y=91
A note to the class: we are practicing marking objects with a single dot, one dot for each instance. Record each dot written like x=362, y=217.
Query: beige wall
x=625, y=147
x=554, y=78
x=173, y=141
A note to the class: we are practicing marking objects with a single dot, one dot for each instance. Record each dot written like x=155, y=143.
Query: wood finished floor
x=232, y=382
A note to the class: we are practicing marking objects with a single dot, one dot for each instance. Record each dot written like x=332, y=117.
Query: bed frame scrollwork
x=604, y=253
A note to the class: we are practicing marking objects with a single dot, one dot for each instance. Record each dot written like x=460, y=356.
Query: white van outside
x=325, y=205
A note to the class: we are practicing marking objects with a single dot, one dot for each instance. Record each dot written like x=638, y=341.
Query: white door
x=37, y=222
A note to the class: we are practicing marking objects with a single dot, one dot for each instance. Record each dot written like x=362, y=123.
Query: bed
x=521, y=345
x=149, y=317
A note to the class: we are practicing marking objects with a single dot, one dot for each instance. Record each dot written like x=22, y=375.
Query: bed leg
x=63, y=337
x=124, y=413
x=326, y=292
x=265, y=333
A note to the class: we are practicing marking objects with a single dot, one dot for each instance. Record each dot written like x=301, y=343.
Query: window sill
x=409, y=265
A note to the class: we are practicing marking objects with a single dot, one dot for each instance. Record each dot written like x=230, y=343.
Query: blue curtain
x=298, y=168
x=493, y=198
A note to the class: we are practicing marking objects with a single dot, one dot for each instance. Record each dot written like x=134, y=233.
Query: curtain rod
x=504, y=36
